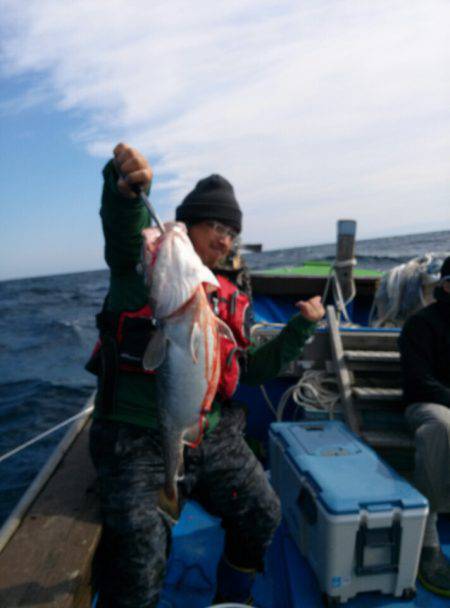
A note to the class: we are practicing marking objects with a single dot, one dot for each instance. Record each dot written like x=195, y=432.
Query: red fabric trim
x=144, y=312
x=229, y=297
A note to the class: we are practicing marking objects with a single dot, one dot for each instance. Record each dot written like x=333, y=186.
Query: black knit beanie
x=212, y=199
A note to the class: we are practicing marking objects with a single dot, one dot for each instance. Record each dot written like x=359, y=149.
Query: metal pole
x=345, y=252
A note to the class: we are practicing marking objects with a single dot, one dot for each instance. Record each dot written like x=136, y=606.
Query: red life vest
x=127, y=334
x=233, y=307
x=132, y=331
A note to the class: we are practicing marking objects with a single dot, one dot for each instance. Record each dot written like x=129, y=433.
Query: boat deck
x=47, y=562
x=288, y=583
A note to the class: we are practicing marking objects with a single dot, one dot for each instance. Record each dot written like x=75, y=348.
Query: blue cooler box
x=359, y=524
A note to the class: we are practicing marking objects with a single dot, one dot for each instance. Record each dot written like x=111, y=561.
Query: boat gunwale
x=15, y=518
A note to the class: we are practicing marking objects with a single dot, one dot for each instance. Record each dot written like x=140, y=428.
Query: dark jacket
x=425, y=353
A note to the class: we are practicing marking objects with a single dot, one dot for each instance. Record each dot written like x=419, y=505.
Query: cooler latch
x=378, y=538
x=307, y=505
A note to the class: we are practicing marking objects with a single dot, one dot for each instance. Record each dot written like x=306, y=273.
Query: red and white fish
x=185, y=349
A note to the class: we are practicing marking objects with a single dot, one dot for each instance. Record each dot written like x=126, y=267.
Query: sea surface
x=47, y=330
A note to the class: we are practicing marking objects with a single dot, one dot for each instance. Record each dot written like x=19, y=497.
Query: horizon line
x=106, y=269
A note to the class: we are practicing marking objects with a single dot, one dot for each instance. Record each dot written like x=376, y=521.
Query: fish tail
x=173, y=464
x=169, y=503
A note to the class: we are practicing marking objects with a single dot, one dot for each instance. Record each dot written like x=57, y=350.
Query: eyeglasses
x=222, y=230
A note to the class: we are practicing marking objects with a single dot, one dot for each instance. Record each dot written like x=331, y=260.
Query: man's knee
x=434, y=433
x=249, y=535
x=419, y=414
x=139, y=526
x=265, y=519
x=265, y=516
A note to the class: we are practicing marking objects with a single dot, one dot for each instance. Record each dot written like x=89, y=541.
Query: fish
x=185, y=348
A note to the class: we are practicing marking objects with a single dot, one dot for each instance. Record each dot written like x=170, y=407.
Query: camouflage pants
x=222, y=474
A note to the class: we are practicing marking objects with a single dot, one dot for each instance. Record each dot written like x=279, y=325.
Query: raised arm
x=267, y=361
x=123, y=214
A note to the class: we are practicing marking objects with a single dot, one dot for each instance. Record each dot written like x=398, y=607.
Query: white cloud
x=312, y=110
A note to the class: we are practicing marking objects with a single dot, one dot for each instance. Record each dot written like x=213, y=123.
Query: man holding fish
x=173, y=344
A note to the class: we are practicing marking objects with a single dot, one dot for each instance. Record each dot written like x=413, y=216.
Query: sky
x=314, y=110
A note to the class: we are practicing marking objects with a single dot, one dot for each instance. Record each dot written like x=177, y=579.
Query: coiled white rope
x=21, y=447
x=315, y=390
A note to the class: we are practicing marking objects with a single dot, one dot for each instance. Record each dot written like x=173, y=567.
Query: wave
x=34, y=389
x=32, y=384
x=48, y=339
x=372, y=260
x=382, y=258
x=296, y=258
x=71, y=325
x=359, y=258
x=40, y=291
x=6, y=310
x=28, y=408
x=19, y=389
x=26, y=392
x=63, y=330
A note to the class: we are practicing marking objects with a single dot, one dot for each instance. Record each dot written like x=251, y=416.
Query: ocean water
x=377, y=254
x=47, y=331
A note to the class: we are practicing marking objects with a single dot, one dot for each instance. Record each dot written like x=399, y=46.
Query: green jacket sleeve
x=268, y=360
x=123, y=219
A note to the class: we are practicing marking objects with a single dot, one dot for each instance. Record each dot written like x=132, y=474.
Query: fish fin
x=155, y=353
x=169, y=505
x=225, y=331
x=196, y=337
